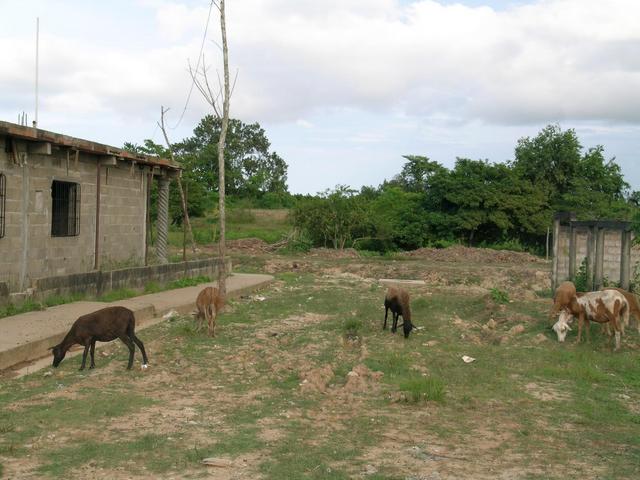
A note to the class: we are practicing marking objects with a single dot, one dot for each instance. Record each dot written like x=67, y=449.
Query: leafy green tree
x=251, y=169
x=398, y=219
x=417, y=173
x=196, y=194
x=335, y=217
x=570, y=179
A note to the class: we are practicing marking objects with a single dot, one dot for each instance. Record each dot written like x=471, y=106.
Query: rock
x=370, y=470
x=540, y=338
x=47, y=374
x=492, y=324
x=217, y=462
x=516, y=330
x=467, y=359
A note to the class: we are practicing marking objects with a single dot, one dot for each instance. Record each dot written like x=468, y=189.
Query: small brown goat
x=397, y=300
x=209, y=302
x=562, y=298
x=101, y=326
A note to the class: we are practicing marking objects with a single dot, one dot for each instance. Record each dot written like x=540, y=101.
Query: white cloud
x=428, y=68
x=553, y=59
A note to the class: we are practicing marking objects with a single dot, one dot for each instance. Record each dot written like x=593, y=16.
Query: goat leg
x=580, y=322
x=145, y=360
x=386, y=312
x=395, y=322
x=132, y=349
x=93, y=353
x=84, y=355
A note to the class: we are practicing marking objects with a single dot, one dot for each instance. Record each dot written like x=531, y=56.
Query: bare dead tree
x=219, y=102
x=185, y=212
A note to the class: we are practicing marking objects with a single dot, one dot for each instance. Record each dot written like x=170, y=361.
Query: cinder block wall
x=29, y=251
x=612, y=242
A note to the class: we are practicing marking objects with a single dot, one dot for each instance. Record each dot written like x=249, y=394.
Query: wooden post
x=591, y=257
x=625, y=259
x=556, y=246
x=599, y=264
x=573, y=237
x=546, y=253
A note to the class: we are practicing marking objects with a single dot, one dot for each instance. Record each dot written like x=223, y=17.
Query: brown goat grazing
x=397, y=300
x=562, y=297
x=209, y=302
x=101, y=326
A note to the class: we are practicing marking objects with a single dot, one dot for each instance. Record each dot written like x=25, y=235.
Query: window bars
x=65, y=221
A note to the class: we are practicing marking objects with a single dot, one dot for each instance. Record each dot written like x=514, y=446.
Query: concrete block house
x=71, y=206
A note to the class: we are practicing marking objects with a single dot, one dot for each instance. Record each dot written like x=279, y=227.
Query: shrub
x=499, y=296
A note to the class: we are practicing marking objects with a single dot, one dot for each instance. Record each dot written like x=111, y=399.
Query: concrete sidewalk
x=28, y=336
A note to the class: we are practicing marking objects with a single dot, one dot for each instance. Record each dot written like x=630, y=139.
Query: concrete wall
x=612, y=242
x=98, y=282
x=29, y=251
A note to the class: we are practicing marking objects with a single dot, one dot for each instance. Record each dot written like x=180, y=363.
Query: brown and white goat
x=397, y=300
x=209, y=302
x=607, y=306
x=102, y=326
x=634, y=306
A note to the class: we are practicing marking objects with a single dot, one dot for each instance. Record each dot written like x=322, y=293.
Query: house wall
x=612, y=246
x=28, y=250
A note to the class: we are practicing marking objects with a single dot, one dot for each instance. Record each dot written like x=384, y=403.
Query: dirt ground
x=284, y=392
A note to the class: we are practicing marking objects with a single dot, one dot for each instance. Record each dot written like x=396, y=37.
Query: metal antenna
x=35, y=122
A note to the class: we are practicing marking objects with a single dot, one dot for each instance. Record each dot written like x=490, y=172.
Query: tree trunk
x=185, y=213
x=222, y=271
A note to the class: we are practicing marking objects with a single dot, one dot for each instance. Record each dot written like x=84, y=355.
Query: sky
x=343, y=88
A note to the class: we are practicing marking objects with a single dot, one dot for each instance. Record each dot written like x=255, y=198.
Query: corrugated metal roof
x=39, y=135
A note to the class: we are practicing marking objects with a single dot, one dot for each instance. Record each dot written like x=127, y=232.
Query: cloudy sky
x=343, y=88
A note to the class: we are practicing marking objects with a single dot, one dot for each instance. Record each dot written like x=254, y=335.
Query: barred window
x=65, y=199
x=3, y=196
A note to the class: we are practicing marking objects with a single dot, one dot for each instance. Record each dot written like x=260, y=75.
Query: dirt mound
x=248, y=245
x=471, y=254
x=334, y=253
x=316, y=379
x=361, y=379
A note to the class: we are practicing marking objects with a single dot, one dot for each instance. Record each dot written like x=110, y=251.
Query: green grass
x=241, y=223
x=545, y=406
x=119, y=294
x=188, y=282
x=420, y=389
x=27, y=306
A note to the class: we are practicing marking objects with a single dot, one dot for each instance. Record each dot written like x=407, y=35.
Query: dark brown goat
x=101, y=326
x=397, y=300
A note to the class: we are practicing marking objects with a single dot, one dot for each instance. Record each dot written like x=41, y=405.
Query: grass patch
x=351, y=327
x=187, y=282
x=499, y=296
x=119, y=294
x=27, y=306
x=421, y=389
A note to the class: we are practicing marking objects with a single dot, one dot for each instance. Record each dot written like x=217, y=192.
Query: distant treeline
x=477, y=202
x=508, y=205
